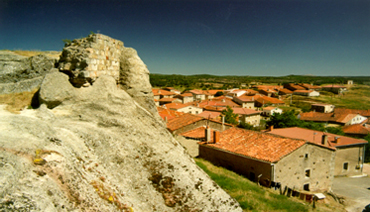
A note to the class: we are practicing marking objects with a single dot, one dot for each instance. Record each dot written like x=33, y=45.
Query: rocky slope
x=99, y=148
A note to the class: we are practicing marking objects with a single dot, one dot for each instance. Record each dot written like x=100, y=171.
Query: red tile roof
x=197, y=92
x=182, y=121
x=268, y=100
x=168, y=99
x=360, y=129
x=334, y=86
x=198, y=133
x=245, y=98
x=170, y=114
x=245, y=111
x=158, y=92
x=314, y=136
x=210, y=114
x=303, y=91
x=269, y=108
x=220, y=103
x=327, y=117
x=285, y=91
x=175, y=106
x=257, y=145
x=365, y=113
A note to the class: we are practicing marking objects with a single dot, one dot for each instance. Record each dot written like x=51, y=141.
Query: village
x=298, y=161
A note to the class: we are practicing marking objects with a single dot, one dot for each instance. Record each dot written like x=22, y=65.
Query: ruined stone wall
x=85, y=59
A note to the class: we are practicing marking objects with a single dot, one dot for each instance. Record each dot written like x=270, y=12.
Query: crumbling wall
x=85, y=59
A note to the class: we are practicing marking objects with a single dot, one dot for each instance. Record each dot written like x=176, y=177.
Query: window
x=307, y=172
x=306, y=156
x=306, y=187
x=345, y=166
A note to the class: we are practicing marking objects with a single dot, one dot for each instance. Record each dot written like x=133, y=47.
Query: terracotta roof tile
x=360, y=129
x=175, y=106
x=314, y=136
x=198, y=133
x=365, y=113
x=158, y=92
x=245, y=98
x=245, y=111
x=268, y=100
x=170, y=114
x=258, y=145
x=182, y=121
x=210, y=114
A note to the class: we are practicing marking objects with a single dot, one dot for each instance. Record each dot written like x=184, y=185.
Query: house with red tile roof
x=269, y=92
x=185, y=97
x=249, y=116
x=267, y=158
x=245, y=101
x=218, y=103
x=350, y=152
x=263, y=101
x=337, y=89
x=309, y=87
x=189, y=122
x=171, y=89
x=235, y=92
x=169, y=100
x=167, y=114
x=323, y=108
x=335, y=118
x=160, y=93
x=365, y=113
x=293, y=87
x=285, y=91
x=185, y=108
x=357, y=130
x=306, y=93
x=197, y=94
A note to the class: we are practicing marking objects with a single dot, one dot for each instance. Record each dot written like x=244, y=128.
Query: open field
x=30, y=53
x=256, y=198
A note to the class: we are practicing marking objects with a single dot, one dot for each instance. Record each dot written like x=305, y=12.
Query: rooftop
x=258, y=145
x=314, y=136
x=182, y=121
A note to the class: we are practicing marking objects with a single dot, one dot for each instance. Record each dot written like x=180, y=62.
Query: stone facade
x=85, y=59
x=349, y=160
x=309, y=165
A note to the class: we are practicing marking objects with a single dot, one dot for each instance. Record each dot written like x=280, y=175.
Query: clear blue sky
x=246, y=37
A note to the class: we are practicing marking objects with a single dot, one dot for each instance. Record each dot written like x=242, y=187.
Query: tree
x=230, y=116
x=284, y=120
x=219, y=93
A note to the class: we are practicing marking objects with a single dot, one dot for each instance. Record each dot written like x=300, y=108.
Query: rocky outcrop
x=97, y=148
x=19, y=73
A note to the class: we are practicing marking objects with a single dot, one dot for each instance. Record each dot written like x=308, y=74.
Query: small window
x=307, y=172
x=306, y=156
x=345, y=166
x=306, y=187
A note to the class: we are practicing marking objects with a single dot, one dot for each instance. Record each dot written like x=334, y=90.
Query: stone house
x=269, y=92
x=248, y=116
x=245, y=101
x=323, y=108
x=185, y=108
x=357, y=130
x=160, y=93
x=285, y=92
x=269, y=111
x=309, y=93
x=197, y=94
x=164, y=101
x=267, y=158
x=335, y=118
x=293, y=87
x=350, y=152
x=185, y=97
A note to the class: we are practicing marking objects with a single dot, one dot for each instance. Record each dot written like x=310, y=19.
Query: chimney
x=324, y=140
x=223, y=123
x=165, y=119
x=271, y=127
x=216, y=136
x=208, y=134
x=337, y=139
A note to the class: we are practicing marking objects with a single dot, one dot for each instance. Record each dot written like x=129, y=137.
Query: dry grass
x=17, y=102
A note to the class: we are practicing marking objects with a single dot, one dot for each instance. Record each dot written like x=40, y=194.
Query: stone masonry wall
x=85, y=59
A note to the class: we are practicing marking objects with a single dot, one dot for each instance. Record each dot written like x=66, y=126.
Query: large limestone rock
x=97, y=150
x=134, y=79
x=99, y=146
x=19, y=73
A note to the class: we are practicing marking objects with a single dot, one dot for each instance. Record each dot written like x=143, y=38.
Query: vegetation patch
x=18, y=101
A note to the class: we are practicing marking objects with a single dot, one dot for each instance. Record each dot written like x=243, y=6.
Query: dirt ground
x=355, y=189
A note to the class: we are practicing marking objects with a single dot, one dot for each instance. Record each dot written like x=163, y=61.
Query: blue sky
x=249, y=37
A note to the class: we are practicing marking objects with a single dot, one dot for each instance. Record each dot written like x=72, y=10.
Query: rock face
x=97, y=148
x=20, y=73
